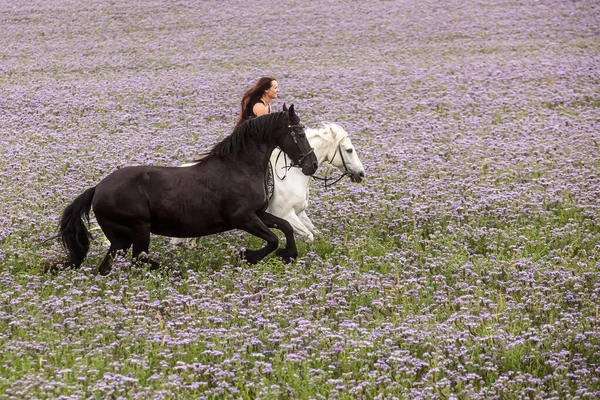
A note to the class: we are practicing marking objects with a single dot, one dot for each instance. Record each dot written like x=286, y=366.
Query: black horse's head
x=295, y=144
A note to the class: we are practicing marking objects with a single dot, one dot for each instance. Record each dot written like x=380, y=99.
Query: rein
x=345, y=173
x=285, y=165
x=302, y=155
x=292, y=164
x=325, y=179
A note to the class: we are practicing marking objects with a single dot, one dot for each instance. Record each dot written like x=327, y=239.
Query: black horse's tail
x=73, y=232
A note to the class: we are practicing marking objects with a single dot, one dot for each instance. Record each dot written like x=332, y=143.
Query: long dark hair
x=252, y=94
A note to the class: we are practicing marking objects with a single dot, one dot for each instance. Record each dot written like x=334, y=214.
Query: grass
x=464, y=266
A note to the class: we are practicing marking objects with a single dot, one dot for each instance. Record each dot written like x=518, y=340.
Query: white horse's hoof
x=177, y=241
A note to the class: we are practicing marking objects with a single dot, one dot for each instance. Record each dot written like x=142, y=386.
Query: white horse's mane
x=331, y=133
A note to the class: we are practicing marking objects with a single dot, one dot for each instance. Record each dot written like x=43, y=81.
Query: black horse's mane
x=245, y=136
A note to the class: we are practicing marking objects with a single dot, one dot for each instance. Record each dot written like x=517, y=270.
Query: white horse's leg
x=189, y=242
x=307, y=222
x=178, y=241
x=299, y=227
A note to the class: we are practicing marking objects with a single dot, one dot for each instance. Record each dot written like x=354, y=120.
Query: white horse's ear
x=333, y=134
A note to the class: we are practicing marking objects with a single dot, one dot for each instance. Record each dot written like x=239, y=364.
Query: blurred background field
x=466, y=265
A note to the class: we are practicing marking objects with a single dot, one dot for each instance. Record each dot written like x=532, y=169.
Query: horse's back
x=174, y=201
x=128, y=173
x=119, y=191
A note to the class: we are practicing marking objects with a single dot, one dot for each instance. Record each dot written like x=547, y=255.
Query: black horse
x=225, y=191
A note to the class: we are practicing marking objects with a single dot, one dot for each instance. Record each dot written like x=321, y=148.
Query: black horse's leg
x=106, y=263
x=120, y=239
x=141, y=244
x=290, y=251
x=256, y=227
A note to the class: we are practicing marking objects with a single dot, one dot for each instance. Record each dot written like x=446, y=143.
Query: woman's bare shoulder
x=260, y=109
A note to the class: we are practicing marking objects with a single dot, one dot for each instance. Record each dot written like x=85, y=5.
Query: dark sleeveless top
x=250, y=107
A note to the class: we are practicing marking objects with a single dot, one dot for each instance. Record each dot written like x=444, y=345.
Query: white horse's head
x=341, y=153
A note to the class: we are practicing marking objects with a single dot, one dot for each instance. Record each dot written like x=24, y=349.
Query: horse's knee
x=301, y=230
x=273, y=242
x=284, y=226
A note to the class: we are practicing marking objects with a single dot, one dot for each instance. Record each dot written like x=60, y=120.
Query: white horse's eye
x=350, y=150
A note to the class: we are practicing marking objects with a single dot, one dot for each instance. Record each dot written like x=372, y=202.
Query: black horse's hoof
x=286, y=256
x=144, y=260
x=153, y=265
x=250, y=256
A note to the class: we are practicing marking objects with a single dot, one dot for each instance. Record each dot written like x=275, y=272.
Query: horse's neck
x=256, y=159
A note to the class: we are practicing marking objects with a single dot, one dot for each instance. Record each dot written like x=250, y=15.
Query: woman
x=257, y=100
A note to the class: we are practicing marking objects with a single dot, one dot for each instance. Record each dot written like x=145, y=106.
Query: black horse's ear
x=284, y=107
x=292, y=109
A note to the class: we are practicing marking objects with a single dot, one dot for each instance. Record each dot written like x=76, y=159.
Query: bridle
x=302, y=155
x=325, y=179
x=345, y=173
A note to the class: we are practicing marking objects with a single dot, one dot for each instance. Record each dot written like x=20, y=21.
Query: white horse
x=289, y=201
x=331, y=145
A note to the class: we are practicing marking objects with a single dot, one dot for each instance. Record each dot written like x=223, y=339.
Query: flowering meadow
x=465, y=266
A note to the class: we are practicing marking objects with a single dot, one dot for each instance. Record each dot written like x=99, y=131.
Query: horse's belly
x=193, y=223
x=174, y=229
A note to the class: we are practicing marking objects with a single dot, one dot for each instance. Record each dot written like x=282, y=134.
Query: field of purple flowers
x=466, y=265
